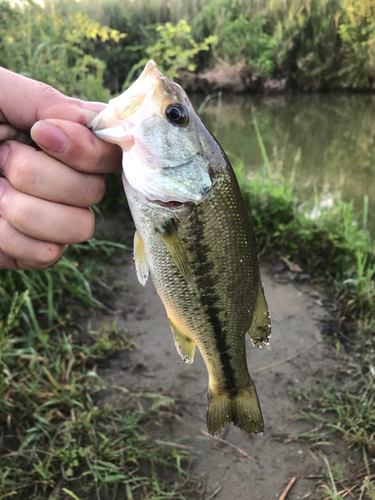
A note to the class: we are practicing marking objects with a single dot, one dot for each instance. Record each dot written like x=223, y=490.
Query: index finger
x=24, y=101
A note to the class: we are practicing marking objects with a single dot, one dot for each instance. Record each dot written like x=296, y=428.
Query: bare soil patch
x=236, y=465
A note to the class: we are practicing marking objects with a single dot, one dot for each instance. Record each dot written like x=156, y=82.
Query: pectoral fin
x=260, y=329
x=174, y=246
x=184, y=345
x=141, y=263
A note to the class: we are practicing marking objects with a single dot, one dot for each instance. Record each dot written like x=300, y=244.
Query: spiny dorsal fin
x=175, y=247
x=184, y=345
x=260, y=329
x=142, y=267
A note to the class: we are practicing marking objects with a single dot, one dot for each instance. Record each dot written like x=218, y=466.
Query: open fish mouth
x=113, y=123
x=162, y=155
x=171, y=205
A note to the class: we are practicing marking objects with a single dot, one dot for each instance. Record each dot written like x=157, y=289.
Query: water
x=328, y=138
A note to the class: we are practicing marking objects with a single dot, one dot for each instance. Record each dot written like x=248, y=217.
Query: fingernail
x=4, y=151
x=48, y=136
x=93, y=106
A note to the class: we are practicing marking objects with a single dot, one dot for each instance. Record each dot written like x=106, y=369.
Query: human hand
x=45, y=196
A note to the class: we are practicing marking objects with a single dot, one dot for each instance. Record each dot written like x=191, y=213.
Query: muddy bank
x=236, y=79
x=231, y=78
x=296, y=358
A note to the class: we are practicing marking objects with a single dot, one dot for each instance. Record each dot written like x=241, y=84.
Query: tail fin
x=242, y=409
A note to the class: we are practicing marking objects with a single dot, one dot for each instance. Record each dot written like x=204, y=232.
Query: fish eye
x=176, y=113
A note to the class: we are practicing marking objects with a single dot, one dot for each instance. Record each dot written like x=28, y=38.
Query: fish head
x=162, y=138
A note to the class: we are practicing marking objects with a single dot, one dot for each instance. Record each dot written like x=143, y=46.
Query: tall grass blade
x=365, y=211
x=266, y=162
x=31, y=311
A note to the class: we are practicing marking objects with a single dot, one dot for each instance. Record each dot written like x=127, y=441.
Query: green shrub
x=357, y=34
x=246, y=39
x=58, y=51
x=174, y=50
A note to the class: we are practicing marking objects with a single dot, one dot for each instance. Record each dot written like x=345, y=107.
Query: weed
x=325, y=235
x=327, y=231
x=316, y=44
x=29, y=298
x=345, y=406
x=59, y=51
x=331, y=489
x=56, y=435
x=169, y=52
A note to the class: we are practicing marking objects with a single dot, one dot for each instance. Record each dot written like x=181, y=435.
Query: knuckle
x=49, y=101
x=8, y=202
x=45, y=94
x=92, y=189
x=95, y=159
x=85, y=226
x=48, y=254
x=47, y=91
x=21, y=214
x=20, y=173
x=97, y=189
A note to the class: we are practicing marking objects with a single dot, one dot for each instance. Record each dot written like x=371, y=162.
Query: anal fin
x=175, y=247
x=260, y=329
x=184, y=345
x=142, y=267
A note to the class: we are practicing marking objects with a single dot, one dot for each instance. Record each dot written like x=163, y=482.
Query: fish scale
x=211, y=237
x=195, y=237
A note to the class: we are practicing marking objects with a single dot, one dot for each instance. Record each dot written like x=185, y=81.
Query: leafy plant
x=174, y=50
x=56, y=437
x=247, y=40
x=43, y=46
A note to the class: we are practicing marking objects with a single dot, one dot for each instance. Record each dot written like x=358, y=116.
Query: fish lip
x=115, y=115
x=95, y=122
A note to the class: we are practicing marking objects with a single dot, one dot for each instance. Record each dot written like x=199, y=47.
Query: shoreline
x=234, y=79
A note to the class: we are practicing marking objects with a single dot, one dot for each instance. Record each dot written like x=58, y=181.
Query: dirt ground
x=295, y=358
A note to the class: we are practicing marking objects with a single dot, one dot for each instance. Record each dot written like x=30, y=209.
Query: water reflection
x=329, y=138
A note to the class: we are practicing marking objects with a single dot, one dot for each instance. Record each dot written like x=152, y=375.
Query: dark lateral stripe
x=205, y=280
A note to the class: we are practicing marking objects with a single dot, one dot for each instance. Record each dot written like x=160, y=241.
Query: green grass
x=57, y=440
x=325, y=236
x=328, y=242
x=332, y=243
x=349, y=399
x=342, y=407
x=31, y=300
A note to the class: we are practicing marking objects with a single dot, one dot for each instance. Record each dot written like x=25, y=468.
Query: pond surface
x=327, y=138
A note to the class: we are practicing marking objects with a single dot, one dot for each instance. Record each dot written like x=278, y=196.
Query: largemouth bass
x=194, y=235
